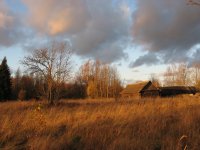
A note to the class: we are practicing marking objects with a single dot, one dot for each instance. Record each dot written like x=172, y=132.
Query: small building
x=147, y=89
x=133, y=90
x=150, y=90
x=141, y=89
x=177, y=90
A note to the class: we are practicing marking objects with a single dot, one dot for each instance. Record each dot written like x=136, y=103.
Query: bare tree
x=177, y=75
x=170, y=75
x=53, y=63
x=195, y=74
x=155, y=80
x=183, y=74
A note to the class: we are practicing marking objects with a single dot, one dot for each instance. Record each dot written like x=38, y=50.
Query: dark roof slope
x=180, y=89
x=150, y=87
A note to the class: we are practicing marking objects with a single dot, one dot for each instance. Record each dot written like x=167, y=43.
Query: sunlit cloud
x=96, y=29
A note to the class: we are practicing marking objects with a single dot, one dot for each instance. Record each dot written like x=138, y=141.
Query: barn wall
x=148, y=93
x=134, y=95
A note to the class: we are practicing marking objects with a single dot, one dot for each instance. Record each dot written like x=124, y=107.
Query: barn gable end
x=133, y=90
x=149, y=90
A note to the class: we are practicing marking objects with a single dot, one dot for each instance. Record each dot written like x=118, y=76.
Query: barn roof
x=134, y=88
x=188, y=89
x=149, y=87
x=139, y=87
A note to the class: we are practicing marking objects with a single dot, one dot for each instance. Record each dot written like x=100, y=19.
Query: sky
x=140, y=37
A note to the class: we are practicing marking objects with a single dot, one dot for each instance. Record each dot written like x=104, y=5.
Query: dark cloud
x=106, y=34
x=168, y=27
x=100, y=29
x=147, y=59
x=97, y=29
x=12, y=34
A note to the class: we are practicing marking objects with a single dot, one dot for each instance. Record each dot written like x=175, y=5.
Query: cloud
x=147, y=59
x=102, y=29
x=11, y=30
x=194, y=59
x=56, y=17
x=136, y=70
x=5, y=20
x=167, y=27
x=96, y=28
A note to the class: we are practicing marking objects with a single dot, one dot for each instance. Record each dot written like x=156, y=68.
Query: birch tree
x=101, y=80
x=177, y=75
x=195, y=75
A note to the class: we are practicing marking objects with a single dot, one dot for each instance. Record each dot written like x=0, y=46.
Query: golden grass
x=101, y=124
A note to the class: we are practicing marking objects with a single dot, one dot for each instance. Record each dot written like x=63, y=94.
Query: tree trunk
x=50, y=99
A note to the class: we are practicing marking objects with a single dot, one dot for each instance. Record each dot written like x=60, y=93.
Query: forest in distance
x=49, y=75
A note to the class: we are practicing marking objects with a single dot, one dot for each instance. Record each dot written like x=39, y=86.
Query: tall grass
x=101, y=124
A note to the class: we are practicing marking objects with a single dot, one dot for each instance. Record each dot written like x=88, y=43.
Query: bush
x=22, y=95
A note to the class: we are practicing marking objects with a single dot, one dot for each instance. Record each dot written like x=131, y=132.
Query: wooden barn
x=177, y=90
x=141, y=89
x=133, y=90
x=147, y=89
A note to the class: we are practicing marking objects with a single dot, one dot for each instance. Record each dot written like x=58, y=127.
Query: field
x=149, y=124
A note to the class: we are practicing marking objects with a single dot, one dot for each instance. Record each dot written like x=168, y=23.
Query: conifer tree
x=5, y=82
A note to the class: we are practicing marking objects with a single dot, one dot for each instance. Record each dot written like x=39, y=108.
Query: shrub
x=22, y=95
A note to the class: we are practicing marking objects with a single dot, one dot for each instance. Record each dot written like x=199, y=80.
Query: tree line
x=182, y=74
x=101, y=80
x=48, y=75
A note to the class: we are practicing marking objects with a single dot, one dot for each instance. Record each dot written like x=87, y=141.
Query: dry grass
x=101, y=124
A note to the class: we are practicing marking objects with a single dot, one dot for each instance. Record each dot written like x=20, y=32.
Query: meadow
x=149, y=124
